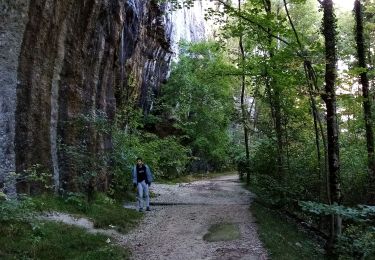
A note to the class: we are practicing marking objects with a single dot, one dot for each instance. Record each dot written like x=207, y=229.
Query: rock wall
x=62, y=62
x=66, y=71
x=146, y=52
x=13, y=19
x=150, y=42
x=190, y=25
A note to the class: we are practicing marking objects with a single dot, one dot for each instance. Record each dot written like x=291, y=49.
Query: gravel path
x=182, y=215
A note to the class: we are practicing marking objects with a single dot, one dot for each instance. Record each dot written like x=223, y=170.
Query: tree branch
x=292, y=24
x=264, y=29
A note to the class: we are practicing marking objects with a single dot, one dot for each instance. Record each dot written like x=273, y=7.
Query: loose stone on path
x=183, y=214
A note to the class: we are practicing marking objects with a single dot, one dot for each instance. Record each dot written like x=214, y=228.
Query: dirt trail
x=182, y=215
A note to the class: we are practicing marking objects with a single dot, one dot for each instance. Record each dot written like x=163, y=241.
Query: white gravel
x=175, y=230
x=80, y=222
x=181, y=216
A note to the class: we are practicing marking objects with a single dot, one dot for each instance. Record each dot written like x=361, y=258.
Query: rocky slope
x=62, y=62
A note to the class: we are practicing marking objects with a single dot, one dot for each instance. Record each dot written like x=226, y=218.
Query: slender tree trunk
x=279, y=134
x=316, y=118
x=312, y=83
x=326, y=168
x=329, y=32
x=286, y=145
x=361, y=56
x=318, y=129
x=274, y=92
x=243, y=105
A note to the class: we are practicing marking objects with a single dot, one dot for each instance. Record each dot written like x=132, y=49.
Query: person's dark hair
x=139, y=159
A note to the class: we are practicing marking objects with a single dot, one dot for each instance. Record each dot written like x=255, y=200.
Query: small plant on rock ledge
x=85, y=159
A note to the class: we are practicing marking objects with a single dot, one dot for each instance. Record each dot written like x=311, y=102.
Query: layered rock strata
x=63, y=65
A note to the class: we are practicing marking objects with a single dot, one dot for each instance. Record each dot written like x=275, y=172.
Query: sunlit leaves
x=199, y=95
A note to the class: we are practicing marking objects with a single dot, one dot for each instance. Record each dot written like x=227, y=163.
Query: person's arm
x=134, y=175
x=149, y=175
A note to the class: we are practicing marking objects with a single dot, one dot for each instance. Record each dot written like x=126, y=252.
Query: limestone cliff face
x=66, y=70
x=145, y=52
x=150, y=42
x=13, y=19
x=64, y=60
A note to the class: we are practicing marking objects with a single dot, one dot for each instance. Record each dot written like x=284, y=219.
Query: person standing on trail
x=142, y=178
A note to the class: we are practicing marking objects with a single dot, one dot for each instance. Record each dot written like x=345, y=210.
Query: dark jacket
x=148, y=174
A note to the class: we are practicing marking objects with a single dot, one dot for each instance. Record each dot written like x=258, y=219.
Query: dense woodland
x=292, y=83
x=283, y=94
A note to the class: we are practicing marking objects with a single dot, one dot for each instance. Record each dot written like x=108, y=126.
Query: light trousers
x=143, y=192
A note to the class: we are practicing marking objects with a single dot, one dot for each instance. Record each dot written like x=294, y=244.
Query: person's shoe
x=148, y=209
x=140, y=210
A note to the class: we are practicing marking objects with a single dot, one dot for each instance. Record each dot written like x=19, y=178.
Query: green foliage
x=283, y=239
x=166, y=157
x=361, y=213
x=358, y=238
x=177, y=4
x=86, y=159
x=276, y=79
x=358, y=241
x=21, y=209
x=23, y=236
x=199, y=96
x=35, y=175
x=3, y=196
x=104, y=211
x=16, y=210
x=44, y=240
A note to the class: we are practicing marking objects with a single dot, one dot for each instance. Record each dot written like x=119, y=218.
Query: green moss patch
x=222, y=232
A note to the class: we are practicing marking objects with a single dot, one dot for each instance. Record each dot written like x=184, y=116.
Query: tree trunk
x=329, y=32
x=243, y=105
x=279, y=134
x=311, y=83
x=361, y=56
x=275, y=103
x=318, y=128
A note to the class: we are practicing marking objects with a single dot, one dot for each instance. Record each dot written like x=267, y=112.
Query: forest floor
x=206, y=219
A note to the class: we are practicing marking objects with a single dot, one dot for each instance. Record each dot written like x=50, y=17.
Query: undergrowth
x=103, y=211
x=282, y=239
x=24, y=236
x=49, y=240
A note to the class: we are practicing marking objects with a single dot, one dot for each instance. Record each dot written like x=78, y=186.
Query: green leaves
x=16, y=210
x=360, y=213
x=199, y=95
x=358, y=238
x=166, y=156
